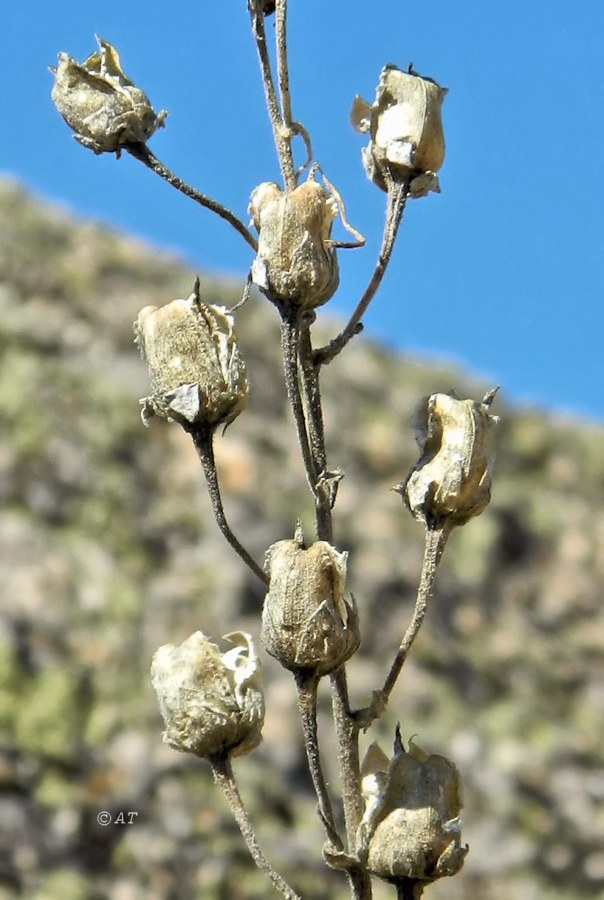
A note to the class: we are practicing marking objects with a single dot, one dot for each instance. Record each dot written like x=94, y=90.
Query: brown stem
x=225, y=780
x=409, y=889
x=307, y=684
x=203, y=439
x=281, y=132
x=290, y=337
x=397, y=198
x=436, y=539
x=144, y=155
x=314, y=416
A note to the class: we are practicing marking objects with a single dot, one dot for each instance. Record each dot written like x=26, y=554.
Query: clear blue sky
x=502, y=272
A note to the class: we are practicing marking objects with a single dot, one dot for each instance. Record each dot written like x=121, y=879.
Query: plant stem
x=324, y=495
x=203, y=439
x=225, y=780
x=290, y=338
x=409, y=889
x=435, y=542
x=397, y=198
x=281, y=132
x=307, y=684
x=144, y=155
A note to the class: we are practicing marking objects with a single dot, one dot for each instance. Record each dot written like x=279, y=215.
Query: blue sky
x=503, y=272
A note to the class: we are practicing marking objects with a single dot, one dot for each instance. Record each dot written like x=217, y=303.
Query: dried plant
x=401, y=815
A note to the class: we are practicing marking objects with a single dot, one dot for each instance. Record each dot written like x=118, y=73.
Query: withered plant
x=401, y=813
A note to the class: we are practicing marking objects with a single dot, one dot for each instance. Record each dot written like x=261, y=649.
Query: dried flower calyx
x=405, y=127
x=100, y=103
x=306, y=622
x=211, y=702
x=411, y=827
x=296, y=264
x=451, y=482
x=197, y=372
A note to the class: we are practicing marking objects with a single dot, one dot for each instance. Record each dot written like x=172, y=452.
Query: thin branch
x=307, y=685
x=225, y=780
x=290, y=336
x=282, y=65
x=281, y=132
x=204, y=444
x=436, y=539
x=324, y=494
x=144, y=155
x=397, y=198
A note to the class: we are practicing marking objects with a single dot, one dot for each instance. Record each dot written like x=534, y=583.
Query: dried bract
x=197, y=372
x=411, y=827
x=296, y=264
x=451, y=482
x=306, y=622
x=405, y=127
x=211, y=702
x=100, y=103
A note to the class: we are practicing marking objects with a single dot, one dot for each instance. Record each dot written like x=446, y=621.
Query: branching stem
x=397, y=198
x=203, y=439
x=281, y=132
x=225, y=780
x=144, y=155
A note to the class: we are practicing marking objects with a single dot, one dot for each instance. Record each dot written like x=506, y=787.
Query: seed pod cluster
x=306, y=622
x=451, y=482
x=296, y=265
x=211, y=702
x=197, y=372
x=99, y=102
x=405, y=127
x=411, y=827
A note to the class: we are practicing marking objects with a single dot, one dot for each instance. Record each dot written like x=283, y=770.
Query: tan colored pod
x=296, y=264
x=99, y=102
x=451, y=482
x=211, y=702
x=405, y=127
x=306, y=622
x=196, y=370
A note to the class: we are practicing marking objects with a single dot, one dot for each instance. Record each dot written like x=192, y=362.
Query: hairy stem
x=436, y=539
x=144, y=155
x=203, y=439
x=307, y=685
x=281, y=132
x=225, y=780
x=290, y=338
x=324, y=491
x=397, y=198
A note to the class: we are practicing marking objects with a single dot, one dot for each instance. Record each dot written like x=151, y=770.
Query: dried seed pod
x=306, y=622
x=197, y=372
x=296, y=265
x=405, y=127
x=451, y=482
x=411, y=827
x=100, y=103
x=211, y=702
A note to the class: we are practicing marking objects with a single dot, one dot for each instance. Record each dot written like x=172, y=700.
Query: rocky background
x=108, y=549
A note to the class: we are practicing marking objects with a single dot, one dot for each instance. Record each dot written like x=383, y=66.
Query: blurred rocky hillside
x=108, y=549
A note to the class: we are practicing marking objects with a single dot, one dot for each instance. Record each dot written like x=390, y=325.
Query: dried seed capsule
x=295, y=266
x=197, y=372
x=405, y=127
x=100, y=103
x=411, y=827
x=306, y=622
x=211, y=702
x=452, y=479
